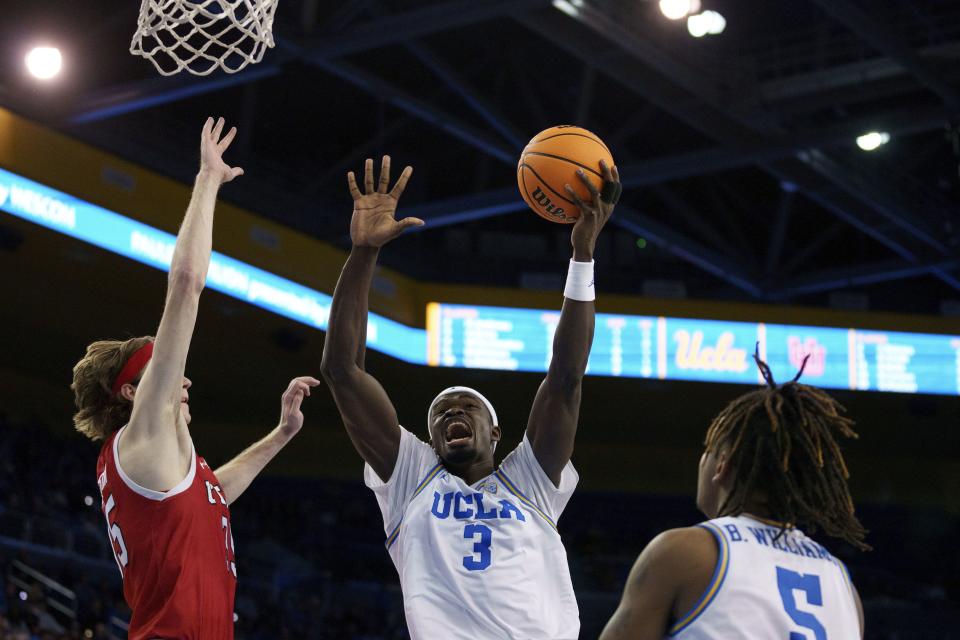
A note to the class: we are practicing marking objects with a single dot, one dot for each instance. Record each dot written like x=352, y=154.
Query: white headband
x=473, y=392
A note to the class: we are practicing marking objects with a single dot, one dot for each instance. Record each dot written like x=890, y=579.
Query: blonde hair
x=100, y=412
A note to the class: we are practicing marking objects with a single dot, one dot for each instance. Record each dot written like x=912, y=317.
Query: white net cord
x=200, y=36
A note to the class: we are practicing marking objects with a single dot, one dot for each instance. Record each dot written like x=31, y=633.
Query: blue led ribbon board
x=61, y=212
x=695, y=349
x=520, y=339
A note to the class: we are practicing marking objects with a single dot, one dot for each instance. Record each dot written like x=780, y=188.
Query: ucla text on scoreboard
x=521, y=339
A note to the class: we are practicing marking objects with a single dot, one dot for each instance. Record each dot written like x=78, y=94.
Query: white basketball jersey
x=481, y=561
x=769, y=588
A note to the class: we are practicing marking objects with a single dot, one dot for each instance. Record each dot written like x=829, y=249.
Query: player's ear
x=495, y=434
x=128, y=391
x=723, y=470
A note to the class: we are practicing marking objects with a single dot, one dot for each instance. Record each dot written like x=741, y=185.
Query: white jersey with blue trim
x=767, y=587
x=481, y=561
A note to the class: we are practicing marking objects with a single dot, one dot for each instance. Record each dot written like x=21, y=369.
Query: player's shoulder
x=409, y=438
x=521, y=456
x=411, y=445
x=679, y=555
x=684, y=543
x=675, y=564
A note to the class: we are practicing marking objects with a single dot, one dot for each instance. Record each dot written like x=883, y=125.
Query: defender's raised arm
x=156, y=446
x=367, y=412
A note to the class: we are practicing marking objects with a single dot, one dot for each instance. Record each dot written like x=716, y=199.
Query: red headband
x=134, y=366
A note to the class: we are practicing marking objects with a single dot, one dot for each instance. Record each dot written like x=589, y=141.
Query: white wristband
x=580, y=282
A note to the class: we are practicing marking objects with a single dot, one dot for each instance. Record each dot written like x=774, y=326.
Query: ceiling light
x=677, y=9
x=44, y=63
x=569, y=7
x=706, y=23
x=873, y=140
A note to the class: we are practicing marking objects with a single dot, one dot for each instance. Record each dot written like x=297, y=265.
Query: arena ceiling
x=737, y=150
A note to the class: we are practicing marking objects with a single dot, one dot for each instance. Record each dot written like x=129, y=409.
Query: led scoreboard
x=695, y=349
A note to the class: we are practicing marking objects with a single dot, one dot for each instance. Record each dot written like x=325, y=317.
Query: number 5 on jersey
x=790, y=581
x=116, y=536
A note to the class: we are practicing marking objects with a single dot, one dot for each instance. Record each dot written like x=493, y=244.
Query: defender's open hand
x=291, y=418
x=212, y=148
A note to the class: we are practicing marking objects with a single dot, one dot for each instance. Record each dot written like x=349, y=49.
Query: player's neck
x=759, y=509
x=470, y=472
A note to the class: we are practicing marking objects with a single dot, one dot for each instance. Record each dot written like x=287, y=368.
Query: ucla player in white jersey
x=772, y=464
x=476, y=545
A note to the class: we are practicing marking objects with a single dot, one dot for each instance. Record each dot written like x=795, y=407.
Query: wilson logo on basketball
x=544, y=201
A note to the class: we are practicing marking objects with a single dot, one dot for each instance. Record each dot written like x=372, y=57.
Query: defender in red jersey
x=167, y=512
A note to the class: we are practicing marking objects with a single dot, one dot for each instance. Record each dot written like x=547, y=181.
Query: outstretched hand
x=212, y=148
x=373, y=223
x=594, y=214
x=291, y=418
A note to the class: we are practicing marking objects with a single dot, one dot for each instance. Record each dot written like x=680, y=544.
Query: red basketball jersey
x=174, y=549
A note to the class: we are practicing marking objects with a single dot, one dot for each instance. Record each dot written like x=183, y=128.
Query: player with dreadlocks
x=772, y=463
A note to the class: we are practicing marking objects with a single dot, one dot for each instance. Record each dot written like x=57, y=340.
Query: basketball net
x=200, y=36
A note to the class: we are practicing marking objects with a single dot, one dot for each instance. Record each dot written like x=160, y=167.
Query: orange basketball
x=550, y=161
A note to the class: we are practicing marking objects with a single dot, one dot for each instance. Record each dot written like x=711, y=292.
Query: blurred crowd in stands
x=312, y=564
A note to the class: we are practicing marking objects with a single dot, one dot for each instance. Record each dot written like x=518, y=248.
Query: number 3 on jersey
x=481, y=547
x=228, y=543
x=215, y=493
x=790, y=581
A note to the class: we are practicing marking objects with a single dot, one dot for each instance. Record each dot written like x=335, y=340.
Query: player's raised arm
x=367, y=412
x=156, y=447
x=556, y=408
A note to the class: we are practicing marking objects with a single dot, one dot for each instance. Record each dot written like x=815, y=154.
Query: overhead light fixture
x=44, y=63
x=677, y=9
x=706, y=23
x=873, y=140
x=569, y=7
